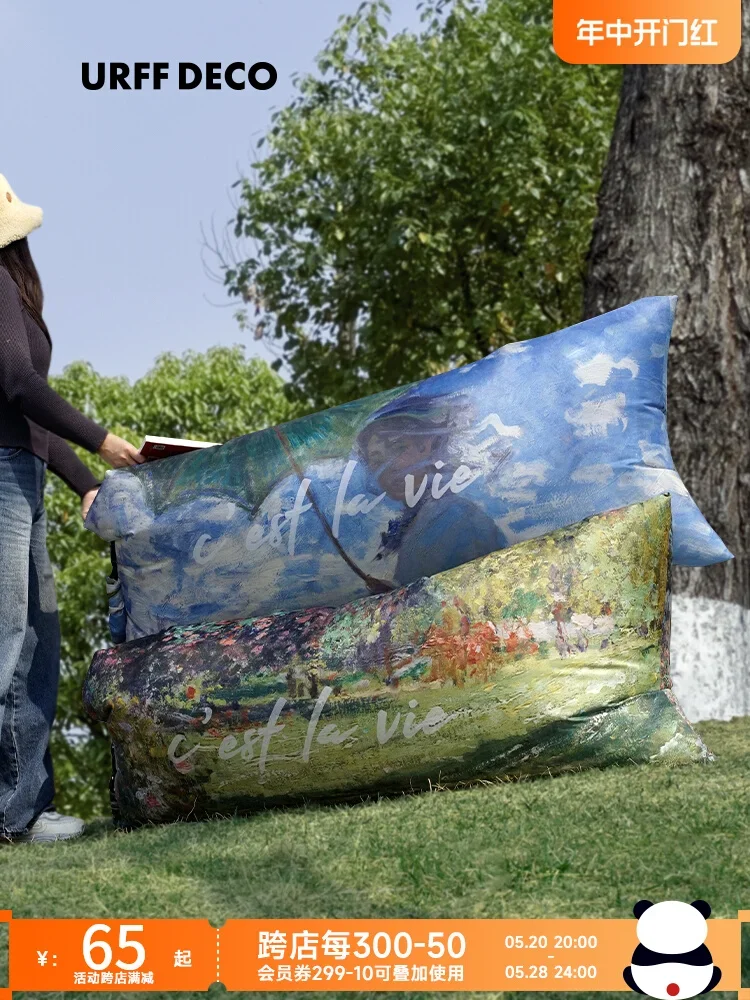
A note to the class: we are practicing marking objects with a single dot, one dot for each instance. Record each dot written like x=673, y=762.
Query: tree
x=213, y=396
x=674, y=211
x=424, y=199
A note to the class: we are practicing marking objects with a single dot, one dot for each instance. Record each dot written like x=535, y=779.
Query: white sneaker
x=50, y=826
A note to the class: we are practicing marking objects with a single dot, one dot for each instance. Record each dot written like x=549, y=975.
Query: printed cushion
x=376, y=494
x=550, y=656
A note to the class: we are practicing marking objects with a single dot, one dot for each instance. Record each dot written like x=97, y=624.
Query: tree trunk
x=674, y=218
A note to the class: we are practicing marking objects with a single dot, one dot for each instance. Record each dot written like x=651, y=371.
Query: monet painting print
x=550, y=656
x=376, y=494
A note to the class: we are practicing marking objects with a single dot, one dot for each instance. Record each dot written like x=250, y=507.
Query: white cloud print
x=600, y=474
x=529, y=473
x=501, y=429
x=516, y=481
x=593, y=418
x=653, y=481
x=655, y=455
x=600, y=367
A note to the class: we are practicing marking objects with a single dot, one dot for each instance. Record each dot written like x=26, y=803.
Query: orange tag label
x=647, y=31
x=116, y=955
x=112, y=955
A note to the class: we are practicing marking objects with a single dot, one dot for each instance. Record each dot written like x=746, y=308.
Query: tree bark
x=674, y=218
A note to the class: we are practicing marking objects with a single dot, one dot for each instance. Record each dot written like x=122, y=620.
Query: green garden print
x=549, y=656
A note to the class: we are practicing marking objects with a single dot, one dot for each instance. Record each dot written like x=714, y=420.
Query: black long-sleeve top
x=32, y=415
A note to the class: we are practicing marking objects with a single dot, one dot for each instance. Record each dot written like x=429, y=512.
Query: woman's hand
x=86, y=500
x=118, y=452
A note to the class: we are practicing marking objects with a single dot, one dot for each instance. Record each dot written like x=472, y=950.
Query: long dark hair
x=16, y=258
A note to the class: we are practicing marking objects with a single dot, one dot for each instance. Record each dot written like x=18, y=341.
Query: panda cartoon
x=672, y=962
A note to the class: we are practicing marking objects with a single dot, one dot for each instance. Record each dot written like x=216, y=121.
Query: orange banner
x=109, y=955
x=435, y=955
x=647, y=31
x=343, y=955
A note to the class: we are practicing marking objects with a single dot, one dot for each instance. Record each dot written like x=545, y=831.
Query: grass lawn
x=581, y=845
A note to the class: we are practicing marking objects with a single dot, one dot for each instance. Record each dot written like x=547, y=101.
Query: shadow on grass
x=580, y=845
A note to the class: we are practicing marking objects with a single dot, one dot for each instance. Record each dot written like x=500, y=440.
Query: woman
x=35, y=424
x=412, y=438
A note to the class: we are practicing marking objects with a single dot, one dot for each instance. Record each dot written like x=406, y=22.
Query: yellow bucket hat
x=17, y=219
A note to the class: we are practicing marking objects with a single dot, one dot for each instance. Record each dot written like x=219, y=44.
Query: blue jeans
x=29, y=643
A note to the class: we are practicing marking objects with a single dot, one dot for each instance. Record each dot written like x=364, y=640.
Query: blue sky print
x=375, y=494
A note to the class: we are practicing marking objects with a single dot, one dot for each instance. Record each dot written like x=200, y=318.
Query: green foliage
x=424, y=198
x=213, y=396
